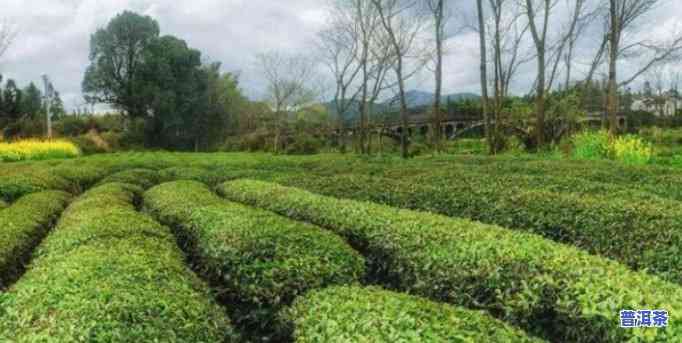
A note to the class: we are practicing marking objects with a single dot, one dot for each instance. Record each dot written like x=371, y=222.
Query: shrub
x=112, y=140
x=375, y=315
x=24, y=224
x=590, y=145
x=649, y=234
x=632, y=150
x=188, y=174
x=80, y=175
x=32, y=149
x=16, y=185
x=662, y=181
x=87, y=146
x=304, y=144
x=418, y=148
x=144, y=178
x=71, y=126
x=109, y=273
x=552, y=290
x=25, y=127
x=256, y=141
x=133, y=135
x=258, y=260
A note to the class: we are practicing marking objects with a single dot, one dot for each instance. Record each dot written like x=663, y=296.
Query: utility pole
x=49, y=90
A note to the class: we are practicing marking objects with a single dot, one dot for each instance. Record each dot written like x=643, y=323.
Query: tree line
x=372, y=46
x=23, y=110
x=372, y=50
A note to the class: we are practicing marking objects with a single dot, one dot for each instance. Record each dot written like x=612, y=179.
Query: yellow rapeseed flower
x=36, y=149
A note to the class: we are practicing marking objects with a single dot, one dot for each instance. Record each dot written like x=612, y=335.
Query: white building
x=656, y=105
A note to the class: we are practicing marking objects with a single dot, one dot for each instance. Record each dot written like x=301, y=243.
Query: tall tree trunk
x=403, y=110
x=439, y=77
x=540, y=40
x=363, y=100
x=484, y=74
x=540, y=100
x=612, y=97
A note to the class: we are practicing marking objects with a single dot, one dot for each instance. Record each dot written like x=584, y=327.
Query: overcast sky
x=54, y=37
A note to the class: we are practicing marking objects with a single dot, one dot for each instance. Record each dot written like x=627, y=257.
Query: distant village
x=662, y=103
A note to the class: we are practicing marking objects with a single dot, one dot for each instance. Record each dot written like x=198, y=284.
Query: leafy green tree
x=3, y=114
x=224, y=99
x=175, y=88
x=118, y=55
x=12, y=100
x=32, y=101
x=57, y=107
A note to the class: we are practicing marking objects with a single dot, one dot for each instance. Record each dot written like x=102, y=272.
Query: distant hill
x=353, y=113
x=420, y=99
x=415, y=99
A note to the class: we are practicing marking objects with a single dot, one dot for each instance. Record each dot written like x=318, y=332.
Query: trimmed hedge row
x=108, y=273
x=145, y=178
x=355, y=314
x=508, y=181
x=645, y=235
x=661, y=181
x=552, y=290
x=188, y=174
x=14, y=186
x=73, y=178
x=81, y=175
x=22, y=226
x=259, y=261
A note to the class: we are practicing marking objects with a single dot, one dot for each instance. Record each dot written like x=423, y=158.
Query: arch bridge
x=454, y=126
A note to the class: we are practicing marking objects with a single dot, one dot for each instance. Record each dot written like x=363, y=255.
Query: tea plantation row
x=260, y=262
x=281, y=278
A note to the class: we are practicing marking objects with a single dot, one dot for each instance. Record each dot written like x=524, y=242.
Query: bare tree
x=539, y=32
x=436, y=9
x=8, y=33
x=622, y=21
x=484, y=71
x=583, y=15
x=367, y=23
x=567, y=40
x=507, y=31
x=288, y=78
x=340, y=47
x=402, y=27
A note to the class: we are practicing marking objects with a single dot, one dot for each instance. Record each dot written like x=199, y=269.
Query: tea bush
x=649, y=231
x=355, y=314
x=189, y=174
x=258, y=260
x=551, y=290
x=144, y=178
x=22, y=226
x=14, y=186
x=108, y=273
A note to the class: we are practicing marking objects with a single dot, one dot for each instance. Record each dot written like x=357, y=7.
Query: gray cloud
x=54, y=37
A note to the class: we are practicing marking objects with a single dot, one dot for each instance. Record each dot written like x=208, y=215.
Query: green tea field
x=254, y=247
